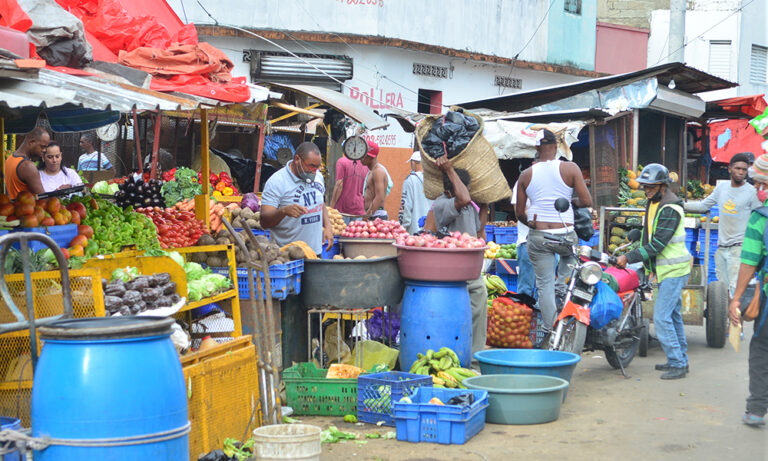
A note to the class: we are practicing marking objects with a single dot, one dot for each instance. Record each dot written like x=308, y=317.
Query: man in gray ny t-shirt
x=293, y=204
x=736, y=199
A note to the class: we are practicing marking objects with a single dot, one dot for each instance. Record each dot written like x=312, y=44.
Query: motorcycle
x=621, y=338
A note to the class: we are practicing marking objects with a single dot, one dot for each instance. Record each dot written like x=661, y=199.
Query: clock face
x=355, y=147
x=108, y=132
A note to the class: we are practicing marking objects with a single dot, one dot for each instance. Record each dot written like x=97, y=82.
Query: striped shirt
x=753, y=249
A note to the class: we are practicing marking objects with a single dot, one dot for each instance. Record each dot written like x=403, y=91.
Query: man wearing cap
x=664, y=254
x=543, y=183
x=377, y=184
x=754, y=256
x=414, y=205
x=348, y=191
x=736, y=199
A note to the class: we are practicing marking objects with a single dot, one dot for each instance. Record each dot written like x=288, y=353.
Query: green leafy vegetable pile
x=202, y=284
x=184, y=186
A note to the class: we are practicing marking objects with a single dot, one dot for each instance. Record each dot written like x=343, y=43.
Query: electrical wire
x=514, y=59
x=702, y=34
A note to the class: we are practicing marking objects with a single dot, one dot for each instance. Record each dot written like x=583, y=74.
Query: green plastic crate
x=309, y=393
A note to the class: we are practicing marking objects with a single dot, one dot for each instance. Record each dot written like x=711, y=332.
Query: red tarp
x=730, y=137
x=748, y=105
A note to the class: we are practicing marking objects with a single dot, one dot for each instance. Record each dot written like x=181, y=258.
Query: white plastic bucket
x=282, y=442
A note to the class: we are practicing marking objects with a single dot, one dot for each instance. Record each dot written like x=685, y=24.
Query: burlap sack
x=487, y=182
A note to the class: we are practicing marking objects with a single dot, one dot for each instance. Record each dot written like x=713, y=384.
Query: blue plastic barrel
x=13, y=424
x=435, y=315
x=112, y=381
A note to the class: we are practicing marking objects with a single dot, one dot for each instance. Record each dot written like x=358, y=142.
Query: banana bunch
x=5, y=223
x=494, y=284
x=444, y=368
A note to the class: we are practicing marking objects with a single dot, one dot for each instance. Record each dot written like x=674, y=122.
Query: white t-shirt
x=284, y=188
x=53, y=182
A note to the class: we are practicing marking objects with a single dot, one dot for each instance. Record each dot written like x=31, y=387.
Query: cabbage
x=113, y=188
x=251, y=200
x=196, y=290
x=125, y=275
x=194, y=271
x=176, y=256
x=101, y=187
x=220, y=282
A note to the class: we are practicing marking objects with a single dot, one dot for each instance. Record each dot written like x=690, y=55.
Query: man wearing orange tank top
x=21, y=173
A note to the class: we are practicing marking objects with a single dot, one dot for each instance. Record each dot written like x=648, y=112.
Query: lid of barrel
x=107, y=328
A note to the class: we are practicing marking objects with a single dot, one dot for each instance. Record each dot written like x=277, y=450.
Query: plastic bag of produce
x=378, y=326
x=605, y=306
x=374, y=353
x=509, y=324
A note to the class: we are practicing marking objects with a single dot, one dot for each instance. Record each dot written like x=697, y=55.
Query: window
x=758, y=64
x=720, y=58
x=430, y=101
x=572, y=6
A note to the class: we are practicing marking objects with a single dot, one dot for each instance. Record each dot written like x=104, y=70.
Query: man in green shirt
x=753, y=256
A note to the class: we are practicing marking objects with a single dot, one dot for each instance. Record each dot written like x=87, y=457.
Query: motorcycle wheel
x=574, y=336
x=622, y=357
x=645, y=337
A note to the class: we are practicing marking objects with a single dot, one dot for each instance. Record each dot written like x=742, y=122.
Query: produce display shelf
x=16, y=385
x=219, y=297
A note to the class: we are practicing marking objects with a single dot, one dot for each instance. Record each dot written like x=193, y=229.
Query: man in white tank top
x=544, y=182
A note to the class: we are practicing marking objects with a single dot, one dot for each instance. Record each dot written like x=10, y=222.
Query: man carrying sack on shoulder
x=754, y=255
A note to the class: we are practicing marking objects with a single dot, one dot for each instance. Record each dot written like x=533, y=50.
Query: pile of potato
x=337, y=220
x=241, y=215
x=272, y=253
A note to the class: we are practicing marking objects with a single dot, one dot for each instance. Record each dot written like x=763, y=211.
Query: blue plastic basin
x=15, y=425
x=520, y=399
x=528, y=362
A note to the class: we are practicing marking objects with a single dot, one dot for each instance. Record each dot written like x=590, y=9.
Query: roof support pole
x=2, y=151
x=259, y=157
x=635, y=137
x=202, y=202
x=676, y=31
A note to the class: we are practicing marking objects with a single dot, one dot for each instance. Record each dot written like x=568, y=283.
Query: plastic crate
x=421, y=421
x=592, y=242
x=62, y=235
x=505, y=235
x=490, y=232
x=691, y=239
x=377, y=392
x=254, y=231
x=310, y=393
x=510, y=280
x=506, y=267
x=285, y=278
x=335, y=249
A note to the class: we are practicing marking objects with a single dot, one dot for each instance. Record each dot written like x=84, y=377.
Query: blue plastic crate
x=506, y=267
x=377, y=392
x=691, y=240
x=505, y=235
x=335, y=249
x=490, y=232
x=510, y=280
x=421, y=421
x=254, y=231
x=285, y=279
x=62, y=235
x=593, y=241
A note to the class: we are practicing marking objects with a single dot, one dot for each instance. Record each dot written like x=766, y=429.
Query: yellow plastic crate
x=15, y=361
x=222, y=392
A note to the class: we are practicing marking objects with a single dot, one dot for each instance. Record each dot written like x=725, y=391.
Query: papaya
x=618, y=231
x=615, y=239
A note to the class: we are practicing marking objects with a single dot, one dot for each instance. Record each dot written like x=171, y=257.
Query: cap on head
x=759, y=170
x=654, y=173
x=373, y=149
x=545, y=137
x=415, y=157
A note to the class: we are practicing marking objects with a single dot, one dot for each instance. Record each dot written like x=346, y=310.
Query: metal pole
x=259, y=157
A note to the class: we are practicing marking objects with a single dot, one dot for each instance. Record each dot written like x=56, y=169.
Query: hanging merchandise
x=274, y=142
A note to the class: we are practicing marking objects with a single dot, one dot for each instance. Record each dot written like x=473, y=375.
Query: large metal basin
x=347, y=283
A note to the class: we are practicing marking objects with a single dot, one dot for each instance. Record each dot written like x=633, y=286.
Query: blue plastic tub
x=376, y=394
x=421, y=421
x=335, y=249
x=527, y=362
x=510, y=280
x=13, y=424
x=62, y=235
x=521, y=399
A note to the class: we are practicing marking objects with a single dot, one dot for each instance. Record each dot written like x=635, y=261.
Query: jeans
x=478, y=300
x=526, y=277
x=727, y=262
x=349, y=219
x=668, y=322
x=543, y=255
x=757, y=402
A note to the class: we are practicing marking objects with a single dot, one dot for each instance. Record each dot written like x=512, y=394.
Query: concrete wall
x=493, y=27
x=571, y=37
x=753, y=31
x=620, y=49
x=633, y=13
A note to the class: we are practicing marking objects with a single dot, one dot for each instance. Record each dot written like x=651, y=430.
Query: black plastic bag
x=450, y=135
x=464, y=400
x=215, y=455
x=244, y=170
x=582, y=223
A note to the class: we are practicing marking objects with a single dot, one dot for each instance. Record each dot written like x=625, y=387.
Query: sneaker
x=666, y=367
x=674, y=373
x=753, y=420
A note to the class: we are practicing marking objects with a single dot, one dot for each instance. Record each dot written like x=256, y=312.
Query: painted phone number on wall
x=364, y=2
x=382, y=139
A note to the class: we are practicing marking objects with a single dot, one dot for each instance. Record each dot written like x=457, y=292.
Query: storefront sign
x=377, y=98
x=363, y=3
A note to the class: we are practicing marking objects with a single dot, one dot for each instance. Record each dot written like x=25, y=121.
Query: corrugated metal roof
x=351, y=107
x=686, y=79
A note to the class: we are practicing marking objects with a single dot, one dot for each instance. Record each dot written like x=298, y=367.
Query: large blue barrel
x=435, y=315
x=114, y=382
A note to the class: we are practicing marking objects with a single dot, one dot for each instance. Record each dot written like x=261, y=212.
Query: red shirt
x=351, y=197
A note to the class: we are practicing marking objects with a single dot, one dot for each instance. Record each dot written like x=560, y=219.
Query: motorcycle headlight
x=591, y=273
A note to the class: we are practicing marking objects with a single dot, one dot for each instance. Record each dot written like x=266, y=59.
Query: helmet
x=654, y=173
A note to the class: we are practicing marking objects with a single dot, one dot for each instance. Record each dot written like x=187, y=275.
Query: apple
x=26, y=198
x=24, y=209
